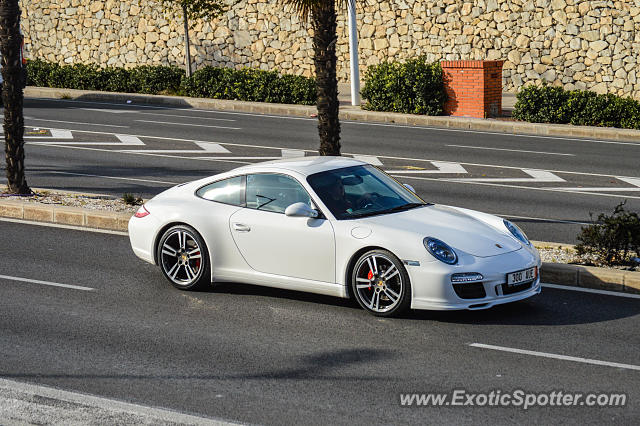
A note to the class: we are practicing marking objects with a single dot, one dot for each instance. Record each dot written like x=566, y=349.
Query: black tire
x=186, y=265
x=393, y=290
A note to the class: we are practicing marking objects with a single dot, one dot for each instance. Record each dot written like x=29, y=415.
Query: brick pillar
x=474, y=88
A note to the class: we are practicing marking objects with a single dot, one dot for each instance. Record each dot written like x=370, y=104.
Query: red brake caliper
x=370, y=276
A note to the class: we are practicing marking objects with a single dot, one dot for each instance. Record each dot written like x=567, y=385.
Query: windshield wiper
x=403, y=207
x=407, y=206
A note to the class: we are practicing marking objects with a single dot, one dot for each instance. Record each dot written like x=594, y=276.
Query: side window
x=274, y=192
x=227, y=191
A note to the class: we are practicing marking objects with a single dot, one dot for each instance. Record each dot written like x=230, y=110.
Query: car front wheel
x=183, y=258
x=380, y=283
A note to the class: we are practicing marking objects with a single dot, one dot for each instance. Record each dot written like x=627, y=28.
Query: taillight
x=142, y=212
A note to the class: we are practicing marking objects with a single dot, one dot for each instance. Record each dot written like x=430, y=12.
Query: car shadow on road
x=551, y=308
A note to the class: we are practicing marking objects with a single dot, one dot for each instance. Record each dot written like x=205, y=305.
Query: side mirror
x=409, y=187
x=301, y=210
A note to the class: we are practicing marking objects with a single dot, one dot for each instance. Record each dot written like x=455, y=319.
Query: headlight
x=517, y=232
x=441, y=251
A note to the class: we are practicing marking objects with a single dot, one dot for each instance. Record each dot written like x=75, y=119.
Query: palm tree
x=12, y=95
x=323, y=20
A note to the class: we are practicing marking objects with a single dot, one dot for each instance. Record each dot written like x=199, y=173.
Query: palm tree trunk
x=12, y=95
x=323, y=16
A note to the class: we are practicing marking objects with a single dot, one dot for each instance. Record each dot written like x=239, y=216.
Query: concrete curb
x=347, y=112
x=63, y=215
x=563, y=274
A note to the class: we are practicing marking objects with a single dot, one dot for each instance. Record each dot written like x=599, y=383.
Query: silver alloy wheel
x=181, y=257
x=379, y=283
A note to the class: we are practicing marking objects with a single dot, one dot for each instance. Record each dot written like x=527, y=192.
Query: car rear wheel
x=380, y=283
x=183, y=258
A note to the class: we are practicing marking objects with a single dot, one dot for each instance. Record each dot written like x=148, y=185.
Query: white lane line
x=130, y=140
x=598, y=189
x=556, y=356
x=112, y=177
x=404, y=126
x=592, y=290
x=120, y=111
x=235, y=158
x=57, y=225
x=214, y=148
x=49, y=283
x=573, y=222
x=155, y=415
x=189, y=124
x=442, y=167
x=536, y=176
x=74, y=122
x=511, y=150
x=292, y=153
x=371, y=159
x=504, y=185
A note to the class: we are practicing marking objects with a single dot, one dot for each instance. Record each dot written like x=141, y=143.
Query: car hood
x=458, y=229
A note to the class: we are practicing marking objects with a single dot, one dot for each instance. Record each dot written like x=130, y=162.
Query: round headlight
x=517, y=232
x=441, y=251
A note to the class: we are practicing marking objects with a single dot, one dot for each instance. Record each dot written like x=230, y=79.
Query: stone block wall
x=579, y=44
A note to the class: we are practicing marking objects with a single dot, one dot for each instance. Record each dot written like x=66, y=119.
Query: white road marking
x=592, y=290
x=504, y=185
x=236, y=158
x=510, y=150
x=113, y=177
x=61, y=134
x=556, y=356
x=57, y=225
x=120, y=111
x=631, y=180
x=189, y=124
x=443, y=167
x=215, y=148
x=536, y=176
x=49, y=283
x=159, y=415
x=573, y=222
x=371, y=159
x=598, y=189
x=130, y=140
x=405, y=126
x=292, y=153
x=74, y=122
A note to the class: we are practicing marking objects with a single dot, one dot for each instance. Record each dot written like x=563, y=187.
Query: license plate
x=519, y=277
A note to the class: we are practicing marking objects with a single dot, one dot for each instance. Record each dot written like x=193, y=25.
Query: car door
x=273, y=243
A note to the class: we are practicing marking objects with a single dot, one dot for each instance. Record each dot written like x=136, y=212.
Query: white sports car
x=335, y=226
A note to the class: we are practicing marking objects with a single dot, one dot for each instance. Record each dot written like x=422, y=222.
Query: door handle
x=241, y=227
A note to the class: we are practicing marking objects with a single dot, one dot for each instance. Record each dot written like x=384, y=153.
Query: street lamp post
x=353, y=53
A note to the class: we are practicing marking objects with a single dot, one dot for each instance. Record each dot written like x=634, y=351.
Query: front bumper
x=432, y=288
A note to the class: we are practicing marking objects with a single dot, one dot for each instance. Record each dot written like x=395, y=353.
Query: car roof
x=303, y=165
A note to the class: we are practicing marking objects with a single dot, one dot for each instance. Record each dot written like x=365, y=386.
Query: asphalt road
x=259, y=355
x=548, y=185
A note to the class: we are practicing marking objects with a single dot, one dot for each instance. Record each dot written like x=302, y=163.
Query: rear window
x=227, y=191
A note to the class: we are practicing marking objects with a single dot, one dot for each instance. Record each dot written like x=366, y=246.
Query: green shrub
x=581, y=108
x=208, y=82
x=611, y=239
x=250, y=85
x=413, y=87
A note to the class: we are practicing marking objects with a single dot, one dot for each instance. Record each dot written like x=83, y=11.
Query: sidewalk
x=348, y=112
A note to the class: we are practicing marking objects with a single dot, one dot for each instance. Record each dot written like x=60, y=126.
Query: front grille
x=470, y=290
x=507, y=289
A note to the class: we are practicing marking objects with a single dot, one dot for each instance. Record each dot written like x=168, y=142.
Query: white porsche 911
x=335, y=226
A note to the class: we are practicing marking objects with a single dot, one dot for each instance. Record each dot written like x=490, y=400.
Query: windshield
x=362, y=191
